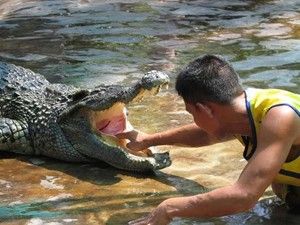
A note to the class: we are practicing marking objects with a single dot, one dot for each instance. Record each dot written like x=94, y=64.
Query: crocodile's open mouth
x=107, y=123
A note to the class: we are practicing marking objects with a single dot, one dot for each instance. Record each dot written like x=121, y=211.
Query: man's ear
x=205, y=108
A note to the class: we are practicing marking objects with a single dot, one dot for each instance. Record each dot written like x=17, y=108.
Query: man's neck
x=234, y=117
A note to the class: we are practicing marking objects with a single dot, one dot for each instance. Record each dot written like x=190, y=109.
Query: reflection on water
x=89, y=42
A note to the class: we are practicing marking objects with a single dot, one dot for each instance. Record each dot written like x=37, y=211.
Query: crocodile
x=74, y=124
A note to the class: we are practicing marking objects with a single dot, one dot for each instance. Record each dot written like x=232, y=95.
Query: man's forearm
x=220, y=202
x=188, y=135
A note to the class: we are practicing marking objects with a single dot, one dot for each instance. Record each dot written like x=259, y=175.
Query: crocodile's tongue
x=115, y=125
x=112, y=126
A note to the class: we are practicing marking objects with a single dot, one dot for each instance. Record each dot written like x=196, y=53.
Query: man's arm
x=188, y=135
x=277, y=134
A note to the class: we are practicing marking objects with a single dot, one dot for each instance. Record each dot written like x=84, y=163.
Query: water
x=86, y=43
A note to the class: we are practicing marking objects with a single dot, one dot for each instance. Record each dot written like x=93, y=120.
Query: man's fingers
x=127, y=135
x=122, y=135
x=134, y=147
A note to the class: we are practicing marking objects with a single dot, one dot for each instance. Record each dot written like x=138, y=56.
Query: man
x=266, y=121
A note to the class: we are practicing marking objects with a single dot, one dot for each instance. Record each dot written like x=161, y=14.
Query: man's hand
x=137, y=140
x=158, y=216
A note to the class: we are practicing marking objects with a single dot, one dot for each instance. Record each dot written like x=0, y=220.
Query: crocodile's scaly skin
x=40, y=118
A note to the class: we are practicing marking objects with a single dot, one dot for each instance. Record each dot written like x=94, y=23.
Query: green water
x=89, y=42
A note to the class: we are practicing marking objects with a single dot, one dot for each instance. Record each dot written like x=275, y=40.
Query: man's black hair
x=208, y=79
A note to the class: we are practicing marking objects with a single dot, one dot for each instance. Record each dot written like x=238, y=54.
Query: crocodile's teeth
x=166, y=86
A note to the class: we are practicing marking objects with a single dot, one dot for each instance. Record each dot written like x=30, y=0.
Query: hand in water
x=137, y=140
x=158, y=216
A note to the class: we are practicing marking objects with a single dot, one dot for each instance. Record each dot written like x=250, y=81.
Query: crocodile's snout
x=163, y=160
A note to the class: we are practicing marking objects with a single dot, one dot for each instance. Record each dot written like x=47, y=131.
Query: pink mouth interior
x=112, y=126
x=115, y=125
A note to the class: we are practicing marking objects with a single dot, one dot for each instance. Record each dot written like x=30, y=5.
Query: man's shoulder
x=281, y=119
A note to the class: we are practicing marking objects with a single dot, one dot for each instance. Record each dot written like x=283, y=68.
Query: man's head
x=208, y=79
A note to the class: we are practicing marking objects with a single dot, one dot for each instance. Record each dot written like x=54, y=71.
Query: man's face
x=203, y=116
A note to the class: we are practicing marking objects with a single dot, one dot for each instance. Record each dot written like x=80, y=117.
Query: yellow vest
x=258, y=103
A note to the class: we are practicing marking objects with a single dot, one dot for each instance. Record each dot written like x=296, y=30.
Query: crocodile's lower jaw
x=121, y=143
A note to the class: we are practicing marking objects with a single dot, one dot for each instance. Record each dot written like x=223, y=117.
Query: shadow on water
x=103, y=174
x=99, y=175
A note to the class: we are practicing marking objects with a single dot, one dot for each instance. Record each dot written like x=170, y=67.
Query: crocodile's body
x=67, y=123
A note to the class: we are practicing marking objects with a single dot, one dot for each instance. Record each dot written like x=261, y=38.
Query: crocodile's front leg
x=14, y=137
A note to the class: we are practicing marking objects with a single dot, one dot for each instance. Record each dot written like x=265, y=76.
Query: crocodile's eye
x=79, y=95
